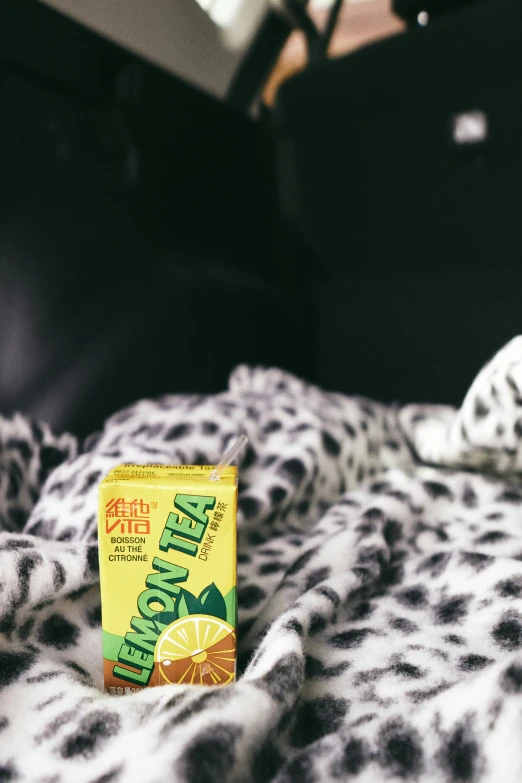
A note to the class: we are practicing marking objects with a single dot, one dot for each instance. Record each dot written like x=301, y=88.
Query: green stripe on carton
x=231, y=604
x=111, y=645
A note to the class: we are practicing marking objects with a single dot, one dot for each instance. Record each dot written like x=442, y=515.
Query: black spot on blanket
x=13, y=486
x=476, y=560
x=491, y=537
x=300, y=770
x=24, y=567
x=90, y=480
x=25, y=628
x=284, y=678
x=348, y=640
x=92, y=734
x=481, y=409
x=451, y=610
x=14, y=664
x=209, y=428
x=361, y=611
x=474, y=662
x=109, y=777
x=403, y=625
x=294, y=626
x=511, y=680
x=266, y=763
x=330, y=445
x=271, y=568
x=56, y=631
x=469, y=497
x=59, y=575
x=93, y=563
x=20, y=543
x=249, y=506
x=508, y=632
x=436, y=490
x=294, y=470
x=208, y=699
x=316, y=577
x=329, y=594
x=249, y=458
x=509, y=496
x=317, y=718
x=392, y=531
x=317, y=623
x=435, y=563
x=408, y=671
x=454, y=639
x=413, y=597
x=301, y=562
x=178, y=431
x=250, y=595
x=8, y=773
x=94, y=617
x=459, y=755
x=510, y=588
x=352, y=761
x=315, y=669
x=210, y=756
x=277, y=495
x=400, y=750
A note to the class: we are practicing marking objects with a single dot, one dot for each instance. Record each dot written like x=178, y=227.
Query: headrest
x=412, y=10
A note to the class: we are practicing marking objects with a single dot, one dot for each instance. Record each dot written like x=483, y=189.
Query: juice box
x=167, y=543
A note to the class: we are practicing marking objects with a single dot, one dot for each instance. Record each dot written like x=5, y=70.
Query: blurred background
x=329, y=187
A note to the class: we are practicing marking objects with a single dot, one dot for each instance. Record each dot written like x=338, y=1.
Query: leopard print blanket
x=380, y=592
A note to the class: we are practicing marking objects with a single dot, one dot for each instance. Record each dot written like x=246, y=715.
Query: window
x=222, y=12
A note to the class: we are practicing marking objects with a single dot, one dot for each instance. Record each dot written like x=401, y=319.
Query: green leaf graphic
x=166, y=618
x=231, y=604
x=188, y=604
x=213, y=602
x=182, y=607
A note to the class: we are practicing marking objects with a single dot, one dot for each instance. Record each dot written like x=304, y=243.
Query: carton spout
x=229, y=457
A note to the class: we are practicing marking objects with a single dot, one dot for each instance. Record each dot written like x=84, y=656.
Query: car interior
x=260, y=391
x=345, y=232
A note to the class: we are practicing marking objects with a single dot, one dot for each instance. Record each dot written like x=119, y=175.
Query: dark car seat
x=135, y=230
x=399, y=171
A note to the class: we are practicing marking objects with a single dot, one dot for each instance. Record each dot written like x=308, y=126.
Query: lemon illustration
x=197, y=649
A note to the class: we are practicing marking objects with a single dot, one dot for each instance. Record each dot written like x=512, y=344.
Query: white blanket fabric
x=380, y=592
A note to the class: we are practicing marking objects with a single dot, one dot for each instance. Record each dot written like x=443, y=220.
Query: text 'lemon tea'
x=167, y=537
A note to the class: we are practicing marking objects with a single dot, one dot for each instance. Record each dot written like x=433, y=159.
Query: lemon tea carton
x=167, y=542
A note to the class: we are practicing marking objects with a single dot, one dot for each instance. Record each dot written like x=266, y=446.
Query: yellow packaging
x=167, y=537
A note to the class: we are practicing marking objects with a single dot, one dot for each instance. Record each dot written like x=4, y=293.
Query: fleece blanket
x=380, y=592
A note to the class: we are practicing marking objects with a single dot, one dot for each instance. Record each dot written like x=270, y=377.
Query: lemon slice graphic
x=197, y=649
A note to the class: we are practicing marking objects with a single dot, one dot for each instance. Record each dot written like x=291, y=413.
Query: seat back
x=399, y=170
